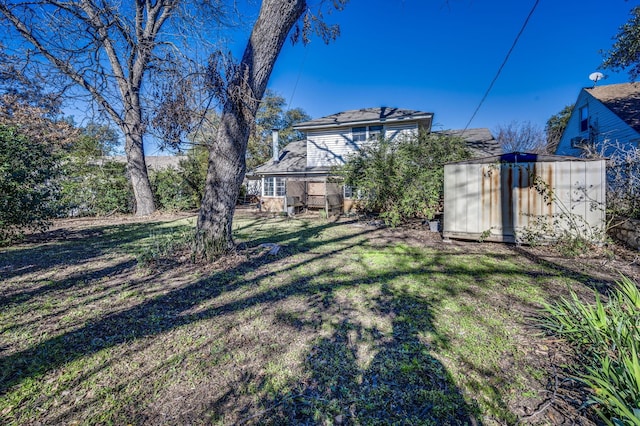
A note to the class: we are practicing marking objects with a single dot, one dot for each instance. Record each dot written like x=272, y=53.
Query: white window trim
x=278, y=187
x=344, y=192
x=369, y=134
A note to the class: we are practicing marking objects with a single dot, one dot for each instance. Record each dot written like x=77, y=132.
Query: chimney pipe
x=276, y=148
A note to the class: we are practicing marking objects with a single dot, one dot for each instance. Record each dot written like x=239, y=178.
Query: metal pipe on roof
x=276, y=147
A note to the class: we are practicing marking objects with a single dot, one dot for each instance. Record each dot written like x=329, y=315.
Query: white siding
x=333, y=147
x=328, y=148
x=609, y=127
x=397, y=130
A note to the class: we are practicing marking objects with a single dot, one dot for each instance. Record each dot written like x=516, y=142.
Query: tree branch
x=61, y=65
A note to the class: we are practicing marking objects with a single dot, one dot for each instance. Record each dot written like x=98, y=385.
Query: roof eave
x=351, y=123
x=310, y=173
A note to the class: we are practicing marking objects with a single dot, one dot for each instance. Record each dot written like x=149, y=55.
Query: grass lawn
x=106, y=323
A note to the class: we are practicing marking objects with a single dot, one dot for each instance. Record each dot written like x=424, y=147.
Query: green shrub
x=193, y=169
x=608, y=336
x=113, y=191
x=172, y=192
x=92, y=183
x=94, y=188
x=403, y=178
x=28, y=188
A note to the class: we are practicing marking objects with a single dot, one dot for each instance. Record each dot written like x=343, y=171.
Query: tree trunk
x=225, y=173
x=227, y=153
x=133, y=130
x=137, y=168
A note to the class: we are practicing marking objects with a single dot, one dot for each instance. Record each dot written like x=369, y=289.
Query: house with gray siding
x=298, y=177
x=604, y=119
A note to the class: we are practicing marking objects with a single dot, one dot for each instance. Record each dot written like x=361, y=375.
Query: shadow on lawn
x=599, y=285
x=76, y=247
x=156, y=315
x=402, y=384
x=402, y=381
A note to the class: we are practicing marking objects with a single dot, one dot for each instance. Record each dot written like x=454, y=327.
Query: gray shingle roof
x=293, y=158
x=153, y=162
x=480, y=141
x=365, y=116
x=622, y=99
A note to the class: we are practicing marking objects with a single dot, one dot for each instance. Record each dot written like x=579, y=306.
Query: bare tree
x=241, y=95
x=106, y=49
x=521, y=137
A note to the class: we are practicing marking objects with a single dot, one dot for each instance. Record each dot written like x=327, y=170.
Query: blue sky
x=440, y=56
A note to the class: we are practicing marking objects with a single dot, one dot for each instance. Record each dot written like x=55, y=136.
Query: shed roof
x=524, y=157
x=622, y=99
x=365, y=116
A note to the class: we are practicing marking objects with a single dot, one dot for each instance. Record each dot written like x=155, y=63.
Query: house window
x=349, y=192
x=274, y=187
x=363, y=134
x=280, y=187
x=359, y=134
x=584, y=118
x=375, y=132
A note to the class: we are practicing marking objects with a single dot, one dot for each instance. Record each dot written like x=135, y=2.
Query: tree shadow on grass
x=156, y=315
x=402, y=381
x=402, y=384
x=564, y=269
x=76, y=247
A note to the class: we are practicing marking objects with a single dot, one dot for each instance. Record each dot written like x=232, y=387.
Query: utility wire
x=295, y=85
x=506, y=58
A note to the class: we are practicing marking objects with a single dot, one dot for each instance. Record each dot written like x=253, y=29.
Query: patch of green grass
x=345, y=324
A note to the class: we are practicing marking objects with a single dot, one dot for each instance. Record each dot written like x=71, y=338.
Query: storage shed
x=513, y=196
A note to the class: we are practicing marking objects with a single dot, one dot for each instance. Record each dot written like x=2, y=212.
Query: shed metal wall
x=500, y=201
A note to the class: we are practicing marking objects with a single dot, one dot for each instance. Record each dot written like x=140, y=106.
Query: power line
x=295, y=85
x=506, y=58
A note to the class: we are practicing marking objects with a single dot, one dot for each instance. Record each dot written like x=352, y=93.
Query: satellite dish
x=595, y=77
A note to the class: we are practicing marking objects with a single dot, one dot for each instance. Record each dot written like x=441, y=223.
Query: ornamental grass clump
x=608, y=337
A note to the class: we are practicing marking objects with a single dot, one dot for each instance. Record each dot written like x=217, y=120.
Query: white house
x=602, y=117
x=331, y=139
x=299, y=176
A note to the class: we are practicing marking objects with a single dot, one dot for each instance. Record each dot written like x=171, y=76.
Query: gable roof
x=293, y=157
x=366, y=116
x=622, y=99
